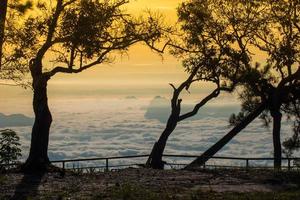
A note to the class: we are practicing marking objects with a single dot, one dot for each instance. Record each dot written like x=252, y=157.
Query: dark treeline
x=241, y=46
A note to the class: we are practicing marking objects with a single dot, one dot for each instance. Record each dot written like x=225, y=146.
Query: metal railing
x=106, y=159
x=247, y=165
x=108, y=162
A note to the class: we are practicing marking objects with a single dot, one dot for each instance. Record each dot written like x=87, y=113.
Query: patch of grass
x=287, y=195
x=55, y=195
x=2, y=179
x=134, y=192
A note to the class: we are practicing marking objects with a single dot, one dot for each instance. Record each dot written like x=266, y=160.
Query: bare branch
x=68, y=3
x=212, y=95
x=183, y=49
x=295, y=76
x=157, y=49
x=173, y=86
x=77, y=70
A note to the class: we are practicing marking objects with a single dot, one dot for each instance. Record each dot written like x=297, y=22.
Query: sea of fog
x=99, y=127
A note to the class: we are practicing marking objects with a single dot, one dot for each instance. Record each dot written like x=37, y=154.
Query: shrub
x=9, y=146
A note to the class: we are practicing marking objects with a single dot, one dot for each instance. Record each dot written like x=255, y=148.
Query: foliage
x=293, y=143
x=234, y=36
x=15, y=8
x=20, y=6
x=78, y=34
x=9, y=146
x=208, y=40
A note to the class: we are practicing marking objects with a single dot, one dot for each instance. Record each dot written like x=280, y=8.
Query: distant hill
x=15, y=120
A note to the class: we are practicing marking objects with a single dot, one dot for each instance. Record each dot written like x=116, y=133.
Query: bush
x=9, y=146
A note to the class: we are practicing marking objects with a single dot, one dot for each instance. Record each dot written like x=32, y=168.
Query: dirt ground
x=145, y=184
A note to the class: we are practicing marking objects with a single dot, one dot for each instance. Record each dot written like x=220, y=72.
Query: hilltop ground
x=148, y=184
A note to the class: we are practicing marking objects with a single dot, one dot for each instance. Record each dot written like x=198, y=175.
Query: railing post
x=289, y=164
x=204, y=165
x=247, y=164
x=106, y=165
x=63, y=165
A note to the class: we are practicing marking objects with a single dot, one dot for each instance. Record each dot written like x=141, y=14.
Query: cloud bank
x=106, y=127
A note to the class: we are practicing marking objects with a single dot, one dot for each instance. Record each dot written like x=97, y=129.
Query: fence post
x=106, y=165
x=289, y=164
x=63, y=165
x=247, y=164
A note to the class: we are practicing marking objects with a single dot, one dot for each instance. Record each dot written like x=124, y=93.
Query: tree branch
x=295, y=76
x=51, y=30
x=68, y=3
x=71, y=70
x=157, y=49
x=212, y=95
x=172, y=86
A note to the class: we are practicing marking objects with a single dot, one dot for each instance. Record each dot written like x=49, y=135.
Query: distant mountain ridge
x=15, y=120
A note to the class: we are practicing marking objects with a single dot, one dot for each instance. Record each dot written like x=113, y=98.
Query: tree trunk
x=201, y=160
x=276, y=138
x=155, y=159
x=3, y=10
x=38, y=157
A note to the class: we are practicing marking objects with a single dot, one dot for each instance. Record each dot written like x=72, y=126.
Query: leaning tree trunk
x=276, y=138
x=155, y=159
x=201, y=160
x=38, y=155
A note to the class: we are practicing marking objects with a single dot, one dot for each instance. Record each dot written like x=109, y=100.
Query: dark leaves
x=9, y=146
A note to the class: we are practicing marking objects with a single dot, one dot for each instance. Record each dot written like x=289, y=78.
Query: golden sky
x=140, y=72
x=141, y=68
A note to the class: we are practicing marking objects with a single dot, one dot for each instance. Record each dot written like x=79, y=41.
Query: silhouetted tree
x=206, y=45
x=269, y=29
x=75, y=35
x=155, y=159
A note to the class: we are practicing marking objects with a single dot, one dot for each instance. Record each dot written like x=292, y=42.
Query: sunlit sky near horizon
x=142, y=68
x=140, y=72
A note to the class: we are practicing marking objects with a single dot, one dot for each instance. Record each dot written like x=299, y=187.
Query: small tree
x=9, y=146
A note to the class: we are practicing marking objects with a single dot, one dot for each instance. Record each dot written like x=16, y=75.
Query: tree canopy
x=75, y=35
x=256, y=44
x=15, y=8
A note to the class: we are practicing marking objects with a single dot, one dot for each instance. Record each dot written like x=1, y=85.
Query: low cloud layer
x=107, y=127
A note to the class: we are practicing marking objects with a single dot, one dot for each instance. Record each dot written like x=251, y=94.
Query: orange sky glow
x=141, y=67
